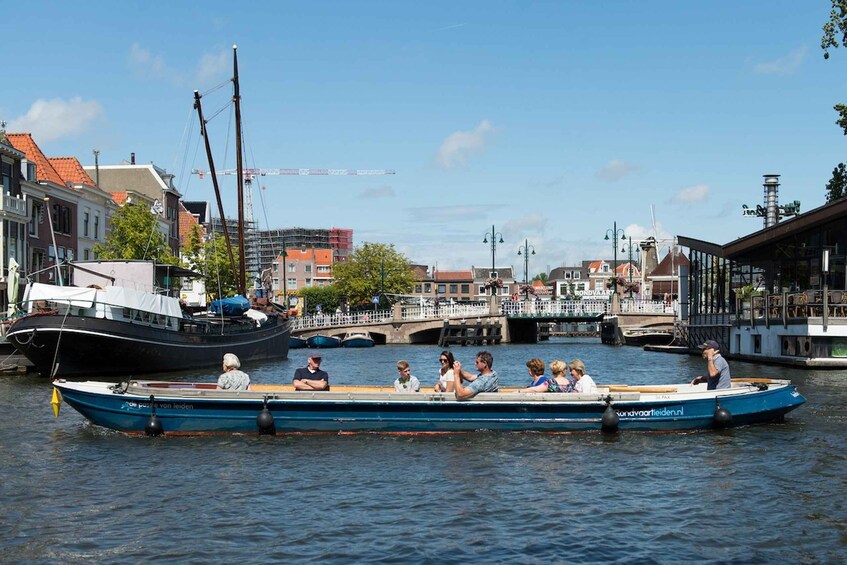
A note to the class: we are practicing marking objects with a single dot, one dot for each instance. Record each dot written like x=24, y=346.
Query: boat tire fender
x=153, y=427
x=265, y=421
x=610, y=420
x=723, y=417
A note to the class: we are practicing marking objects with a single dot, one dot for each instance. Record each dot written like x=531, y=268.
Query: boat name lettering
x=653, y=412
x=164, y=405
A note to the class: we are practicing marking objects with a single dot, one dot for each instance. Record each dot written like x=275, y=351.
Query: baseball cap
x=315, y=356
x=710, y=344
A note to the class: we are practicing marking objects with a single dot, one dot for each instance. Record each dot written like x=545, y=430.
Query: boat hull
x=185, y=409
x=87, y=346
x=297, y=343
x=357, y=342
x=323, y=341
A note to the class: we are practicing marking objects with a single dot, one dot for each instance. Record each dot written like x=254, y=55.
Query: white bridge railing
x=531, y=308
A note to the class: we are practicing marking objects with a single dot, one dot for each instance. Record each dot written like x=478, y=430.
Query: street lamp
x=526, y=251
x=614, y=233
x=494, y=237
x=628, y=248
x=284, y=277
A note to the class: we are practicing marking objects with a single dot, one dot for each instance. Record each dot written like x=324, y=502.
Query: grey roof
x=483, y=272
x=142, y=179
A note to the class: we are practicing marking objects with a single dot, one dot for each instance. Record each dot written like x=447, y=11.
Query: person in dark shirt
x=311, y=377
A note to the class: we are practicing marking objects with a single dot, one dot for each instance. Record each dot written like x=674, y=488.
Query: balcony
x=13, y=206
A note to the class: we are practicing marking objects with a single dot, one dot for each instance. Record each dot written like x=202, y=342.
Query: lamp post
x=526, y=251
x=614, y=237
x=284, y=276
x=494, y=236
x=628, y=248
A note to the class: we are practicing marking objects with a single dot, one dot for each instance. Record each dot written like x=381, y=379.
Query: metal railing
x=537, y=308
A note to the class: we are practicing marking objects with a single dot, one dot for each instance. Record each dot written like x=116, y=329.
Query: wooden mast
x=236, y=97
x=212, y=172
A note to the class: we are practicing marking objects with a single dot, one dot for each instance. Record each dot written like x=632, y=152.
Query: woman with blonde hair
x=584, y=383
x=558, y=383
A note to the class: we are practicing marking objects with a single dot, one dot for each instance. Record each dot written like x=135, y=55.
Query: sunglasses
x=443, y=360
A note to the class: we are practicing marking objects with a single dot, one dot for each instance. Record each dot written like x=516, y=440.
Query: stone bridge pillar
x=397, y=312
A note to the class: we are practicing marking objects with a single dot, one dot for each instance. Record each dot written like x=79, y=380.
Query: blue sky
x=548, y=120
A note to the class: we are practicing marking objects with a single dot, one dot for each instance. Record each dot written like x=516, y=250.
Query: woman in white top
x=445, y=375
x=584, y=383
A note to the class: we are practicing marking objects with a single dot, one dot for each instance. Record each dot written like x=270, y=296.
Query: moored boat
x=323, y=341
x=89, y=330
x=196, y=408
x=295, y=342
x=357, y=339
x=647, y=336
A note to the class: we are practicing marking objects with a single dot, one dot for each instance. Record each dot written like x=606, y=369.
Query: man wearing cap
x=311, y=377
x=717, y=366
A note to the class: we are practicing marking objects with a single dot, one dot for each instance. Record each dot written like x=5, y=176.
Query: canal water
x=72, y=492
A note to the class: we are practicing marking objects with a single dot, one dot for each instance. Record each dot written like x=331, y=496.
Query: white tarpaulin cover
x=112, y=296
x=75, y=296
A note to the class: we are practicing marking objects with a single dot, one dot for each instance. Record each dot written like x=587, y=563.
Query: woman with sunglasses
x=445, y=375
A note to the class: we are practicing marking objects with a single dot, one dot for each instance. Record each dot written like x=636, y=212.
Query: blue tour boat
x=323, y=341
x=198, y=408
x=357, y=339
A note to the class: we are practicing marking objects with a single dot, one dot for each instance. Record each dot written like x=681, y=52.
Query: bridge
x=409, y=324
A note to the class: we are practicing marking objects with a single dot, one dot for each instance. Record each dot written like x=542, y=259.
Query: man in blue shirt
x=717, y=366
x=485, y=381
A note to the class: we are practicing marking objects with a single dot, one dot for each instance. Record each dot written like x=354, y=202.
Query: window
x=308, y=282
x=71, y=254
x=96, y=226
x=442, y=289
x=576, y=275
x=757, y=344
x=309, y=268
x=292, y=284
x=292, y=267
x=417, y=289
x=51, y=254
x=85, y=223
x=56, y=217
x=7, y=177
x=482, y=289
x=86, y=254
x=66, y=220
x=454, y=288
x=322, y=269
x=605, y=268
x=34, y=213
x=427, y=288
x=466, y=288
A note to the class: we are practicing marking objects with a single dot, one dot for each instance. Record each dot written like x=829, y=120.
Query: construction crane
x=253, y=173
x=250, y=174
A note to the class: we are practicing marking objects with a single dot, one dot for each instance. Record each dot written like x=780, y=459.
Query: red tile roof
x=119, y=197
x=187, y=221
x=453, y=275
x=43, y=169
x=71, y=170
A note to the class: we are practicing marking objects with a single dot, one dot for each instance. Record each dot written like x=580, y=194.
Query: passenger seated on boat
x=406, y=382
x=536, y=372
x=311, y=377
x=233, y=378
x=584, y=383
x=719, y=376
x=559, y=383
x=485, y=381
x=445, y=375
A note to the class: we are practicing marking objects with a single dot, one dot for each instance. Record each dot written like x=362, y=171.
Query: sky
x=552, y=123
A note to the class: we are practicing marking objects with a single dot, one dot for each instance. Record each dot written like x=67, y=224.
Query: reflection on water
x=76, y=492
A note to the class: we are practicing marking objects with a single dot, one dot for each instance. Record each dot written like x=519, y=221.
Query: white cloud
x=449, y=214
x=616, y=169
x=153, y=66
x=49, y=120
x=697, y=193
x=458, y=146
x=212, y=66
x=783, y=65
x=534, y=223
x=146, y=63
x=377, y=192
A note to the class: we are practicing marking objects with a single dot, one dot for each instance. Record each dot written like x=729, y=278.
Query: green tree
x=211, y=260
x=135, y=235
x=540, y=277
x=835, y=27
x=374, y=269
x=837, y=185
x=329, y=298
